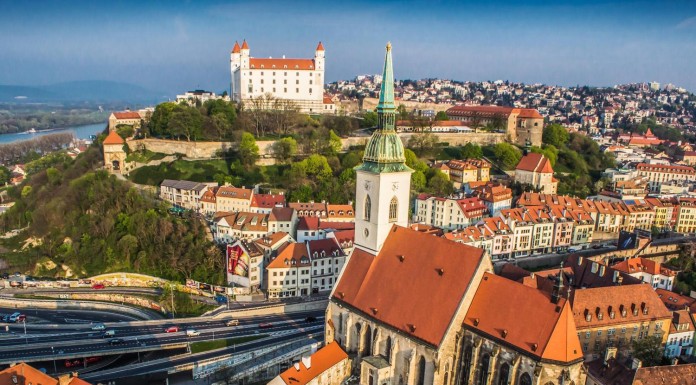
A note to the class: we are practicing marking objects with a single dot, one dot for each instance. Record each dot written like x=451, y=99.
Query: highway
x=82, y=342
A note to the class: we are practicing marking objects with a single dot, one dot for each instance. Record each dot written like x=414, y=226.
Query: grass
x=197, y=171
x=144, y=156
x=204, y=346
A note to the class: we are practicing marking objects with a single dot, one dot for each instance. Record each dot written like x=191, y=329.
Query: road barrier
x=274, y=309
x=12, y=302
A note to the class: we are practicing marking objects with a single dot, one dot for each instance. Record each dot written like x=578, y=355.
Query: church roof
x=535, y=163
x=113, y=138
x=544, y=330
x=397, y=286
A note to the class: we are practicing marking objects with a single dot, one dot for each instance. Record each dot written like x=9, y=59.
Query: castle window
x=368, y=208
x=393, y=209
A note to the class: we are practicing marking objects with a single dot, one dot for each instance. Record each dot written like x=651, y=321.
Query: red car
x=72, y=363
x=89, y=360
x=172, y=329
x=97, y=286
x=265, y=325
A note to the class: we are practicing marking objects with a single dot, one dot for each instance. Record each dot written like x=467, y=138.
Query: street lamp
x=26, y=339
x=53, y=353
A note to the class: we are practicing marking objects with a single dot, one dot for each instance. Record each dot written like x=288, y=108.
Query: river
x=81, y=132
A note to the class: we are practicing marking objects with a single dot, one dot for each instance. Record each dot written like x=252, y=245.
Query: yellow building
x=686, y=216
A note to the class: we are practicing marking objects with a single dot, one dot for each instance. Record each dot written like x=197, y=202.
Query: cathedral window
x=504, y=373
x=420, y=379
x=368, y=208
x=525, y=379
x=483, y=374
x=393, y=209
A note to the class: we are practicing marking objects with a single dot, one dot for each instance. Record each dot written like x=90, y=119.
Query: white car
x=99, y=326
x=192, y=332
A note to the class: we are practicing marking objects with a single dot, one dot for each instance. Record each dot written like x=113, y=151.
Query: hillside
x=88, y=90
x=90, y=222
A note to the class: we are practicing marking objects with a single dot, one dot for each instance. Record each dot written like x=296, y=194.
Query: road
x=82, y=342
x=50, y=316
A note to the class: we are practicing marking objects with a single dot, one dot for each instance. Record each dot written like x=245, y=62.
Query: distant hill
x=87, y=90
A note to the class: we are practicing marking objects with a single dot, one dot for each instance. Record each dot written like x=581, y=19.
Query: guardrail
x=99, y=352
x=275, y=309
x=12, y=302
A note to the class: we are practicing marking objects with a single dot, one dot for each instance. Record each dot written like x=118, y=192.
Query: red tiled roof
x=127, y=115
x=233, y=192
x=547, y=332
x=267, y=200
x=319, y=362
x=245, y=45
x=308, y=223
x=643, y=265
x=432, y=267
x=320, y=47
x=282, y=214
x=674, y=301
x=293, y=252
x=25, y=375
x=236, y=48
x=114, y=138
x=329, y=246
x=665, y=168
x=666, y=375
x=290, y=64
x=534, y=162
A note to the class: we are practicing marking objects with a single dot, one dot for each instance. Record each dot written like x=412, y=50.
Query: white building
x=300, y=81
x=198, y=96
x=327, y=258
x=651, y=272
x=289, y=274
x=184, y=193
x=680, y=340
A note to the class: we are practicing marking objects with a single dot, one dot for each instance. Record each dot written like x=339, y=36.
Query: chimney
x=579, y=261
x=594, y=267
x=601, y=270
x=307, y=361
x=610, y=353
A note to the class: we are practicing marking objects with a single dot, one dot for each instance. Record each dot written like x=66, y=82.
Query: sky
x=172, y=46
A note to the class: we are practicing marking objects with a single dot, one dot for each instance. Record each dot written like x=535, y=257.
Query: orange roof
x=290, y=64
x=113, y=138
x=432, y=266
x=665, y=168
x=319, y=362
x=320, y=47
x=236, y=48
x=78, y=381
x=674, y=301
x=599, y=302
x=547, y=332
x=535, y=163
x=245, y=45
x=127, y=115
x=529, y=113
x=25, y=375
x=666, y=375
x=233, y=192
x=267, y=200
x=643, y=265
x=291, y=256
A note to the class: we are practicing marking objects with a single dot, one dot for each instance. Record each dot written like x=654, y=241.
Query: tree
x=159, y=121
x=507, y=155
x=555, y=135
x=471, y=151
x=423, y=143
x=335, y=143
x=285, y=149
x=648, y=350
x=418, y=181
x=441, y=115
x=185, y=121
x=440, y=185
x=221, y=124
x=5, y=175
x=369, y=120
x=248, y=149
x=549, y=151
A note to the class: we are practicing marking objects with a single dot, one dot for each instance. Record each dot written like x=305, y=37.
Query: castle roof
x=236, y=48
x=113, y=138
x=245, y=45
x=320, y=47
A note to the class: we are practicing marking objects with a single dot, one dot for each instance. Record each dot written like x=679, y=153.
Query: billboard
x=237, y=265
x=627, y=240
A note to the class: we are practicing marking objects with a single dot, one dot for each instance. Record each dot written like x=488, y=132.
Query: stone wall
x=204, y=150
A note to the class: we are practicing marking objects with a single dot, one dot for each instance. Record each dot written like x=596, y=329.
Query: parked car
x=192, y=332
x=172, y=329
x=232, y=322
x=98, y=326
x=265, y=325
x=97, y=286
x=310, y=319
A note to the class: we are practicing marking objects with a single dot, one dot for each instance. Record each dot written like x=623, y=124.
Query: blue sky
x=172, y=46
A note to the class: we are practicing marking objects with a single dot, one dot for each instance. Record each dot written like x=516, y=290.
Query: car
x=99, y=326
x=192, y=332
x=232, y=322
x=6, y=318
x=115, y=341
x=97, y=286
x=72, y=363
x=89, y=360
x=265, y=325
x=15, y=317
x=21, y=318
x=171, y=329
x=109, y=333
x=310, y=319
x=596, y=246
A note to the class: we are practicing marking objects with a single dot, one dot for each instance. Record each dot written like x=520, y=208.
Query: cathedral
x=415, y=309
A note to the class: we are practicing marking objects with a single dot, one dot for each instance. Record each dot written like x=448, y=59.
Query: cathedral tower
x=383, y=179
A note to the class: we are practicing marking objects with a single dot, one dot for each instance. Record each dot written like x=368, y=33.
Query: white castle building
x=298, y=80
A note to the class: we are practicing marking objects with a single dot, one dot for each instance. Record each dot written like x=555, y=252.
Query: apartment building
x=234, y=199
x=289, y=274
x=449, y=213
x=495, y=196
x=533, y=229
x=183, y=193
x=641, y=215
x=648, y=271
x=327, y=258
x=227, y=227
x=491, y=234
x=662, y=173
x=686, y=216
x=680, y=340
x=466, y=171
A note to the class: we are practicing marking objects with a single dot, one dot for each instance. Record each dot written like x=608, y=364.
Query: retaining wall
x=11, y=302
x=275, y=309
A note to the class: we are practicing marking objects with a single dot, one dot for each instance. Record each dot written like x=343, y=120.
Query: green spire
x=385, y=151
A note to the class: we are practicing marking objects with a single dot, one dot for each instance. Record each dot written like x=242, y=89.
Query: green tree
x=648, y=350
x=159, y=122
x=472, y=151
x=369, y=120
x=441, y=115
x=218, y=106
x=248, y=149
x=5, y=175
x=549, y=151
x=507, y=155
x=423, y=143
x=335, y=143
x=440, y=185
x=185, y=121
x=54, y=175
x=125, y=130
x=26, y=191
x=285, y=149
x=555, y=135
x=418, y=181
x=221, y=124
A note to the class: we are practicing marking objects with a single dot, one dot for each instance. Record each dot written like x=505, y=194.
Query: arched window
x=466, y=366
x=483, y=373
x=368, y=208
x=503, y=375
x=366, y=348
x=420, y=379
x=525, y=379
x=446, y=378
x=388, y=349
x=393, y=209
x=374, y=350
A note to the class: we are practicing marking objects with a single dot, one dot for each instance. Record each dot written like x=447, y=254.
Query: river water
x=80, y=132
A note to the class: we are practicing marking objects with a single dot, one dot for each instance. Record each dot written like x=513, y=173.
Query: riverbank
x=80, y=132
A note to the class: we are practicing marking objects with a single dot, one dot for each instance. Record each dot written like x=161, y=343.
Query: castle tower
x=235, y=61
x=383, y=179
x=319, y=57
x=114, y=155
